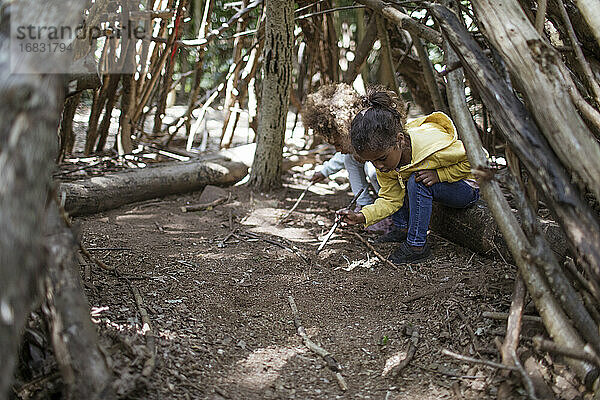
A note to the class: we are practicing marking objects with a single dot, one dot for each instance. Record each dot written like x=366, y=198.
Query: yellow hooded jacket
x=435, y=145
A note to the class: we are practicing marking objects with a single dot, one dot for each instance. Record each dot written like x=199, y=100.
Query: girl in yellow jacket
x=417, y=162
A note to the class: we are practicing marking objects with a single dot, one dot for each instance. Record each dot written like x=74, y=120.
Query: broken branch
x=312, y=346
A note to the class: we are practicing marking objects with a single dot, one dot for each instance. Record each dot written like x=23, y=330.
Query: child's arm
x=335, y=164
x=390, y=198
x=455, y=165
x=454, y=173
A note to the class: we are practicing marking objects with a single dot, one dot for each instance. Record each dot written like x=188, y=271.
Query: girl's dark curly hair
x=377, y=125
x=330, y=110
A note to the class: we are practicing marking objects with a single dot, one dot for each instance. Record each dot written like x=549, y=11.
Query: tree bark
x=30, y=113
x=404, y=21
x=513, y=120
x=67, y=139
x=554, y=318
x=73, y=336
x=544, y=80
x=113, y=190
x=387, y=71
x=277, y=69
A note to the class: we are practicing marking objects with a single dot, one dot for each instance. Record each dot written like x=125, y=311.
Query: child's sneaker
x=406, y=254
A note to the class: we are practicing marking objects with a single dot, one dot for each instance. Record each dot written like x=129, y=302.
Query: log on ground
x=110, y=191
x=475, y=229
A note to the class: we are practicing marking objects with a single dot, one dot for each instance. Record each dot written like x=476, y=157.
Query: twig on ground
x=524, y=377
x=107, y=248
x=450, y=374
x=513, y=328
x=204, y=206
x=477, y=361
x=93, y=259
x=276, y=243
x=338, y=221
x=150, y=363
x=585, y=354
x=410, y=353
x=464, y=319
x=312, y=346
x=377, y=254
x=287, y=214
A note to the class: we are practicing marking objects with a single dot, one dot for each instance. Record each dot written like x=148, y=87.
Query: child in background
x=416, y=163
x=329, y=112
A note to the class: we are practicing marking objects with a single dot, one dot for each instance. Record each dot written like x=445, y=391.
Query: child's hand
x=351, y=217
x=427, y=176
x=317, y=177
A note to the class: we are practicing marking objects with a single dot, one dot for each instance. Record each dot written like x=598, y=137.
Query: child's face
x=384, y=160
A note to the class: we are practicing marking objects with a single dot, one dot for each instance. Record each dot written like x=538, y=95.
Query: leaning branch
x=404, y=21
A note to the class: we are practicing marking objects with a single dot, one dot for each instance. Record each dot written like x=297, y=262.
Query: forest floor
x=217, y=297
x=215, y=285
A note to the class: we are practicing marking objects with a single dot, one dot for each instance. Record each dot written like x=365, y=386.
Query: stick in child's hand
x=338, y=220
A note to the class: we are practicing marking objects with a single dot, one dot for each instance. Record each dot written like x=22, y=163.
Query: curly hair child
x=417, y=162
x=329, y=112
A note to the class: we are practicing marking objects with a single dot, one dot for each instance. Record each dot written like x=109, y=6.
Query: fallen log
x=475, y=229
x=109, y=191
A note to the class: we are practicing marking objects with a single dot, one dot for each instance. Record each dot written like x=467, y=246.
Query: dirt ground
x=217, y=297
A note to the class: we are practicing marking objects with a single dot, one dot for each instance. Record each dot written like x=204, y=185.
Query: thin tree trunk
x=96, y=111
x=168, y=75
x=104, y=127
x=362, y=52
x=387, y=71
x=232, y=83
x=331, y=45
x=429, y=74
x=67, y=139
x=202, y=33
x=277, y=69
x=30, y=113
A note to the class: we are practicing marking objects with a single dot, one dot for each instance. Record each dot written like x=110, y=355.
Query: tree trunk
x=67, y=139
x=113, y=190
x=387, y=71
x=362, y=52
x=73, y=336
x=30, y=113
x=277, y=69
x=475, y=229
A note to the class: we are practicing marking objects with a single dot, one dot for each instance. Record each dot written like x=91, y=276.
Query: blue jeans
x=418, y=201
